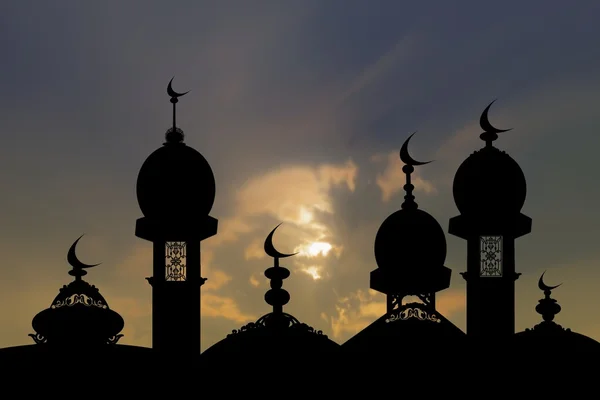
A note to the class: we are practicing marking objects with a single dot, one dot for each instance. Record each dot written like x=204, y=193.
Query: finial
x=174, y=134
x=78, y=267
x=490, y=133
x=409, y=199
x=547, y=307
x=276, y=296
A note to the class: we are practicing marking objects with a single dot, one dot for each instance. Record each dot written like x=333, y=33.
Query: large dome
x=489, y=181
x=410, y=239
x=274, y=337
x=175, y=180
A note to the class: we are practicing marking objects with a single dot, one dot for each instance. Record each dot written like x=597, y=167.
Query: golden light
x=313, y=272
x=315, y=249
x=306, y=216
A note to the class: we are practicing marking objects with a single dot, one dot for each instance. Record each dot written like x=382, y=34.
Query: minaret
x=410, y=249
x=489, y=191
x=176, y=191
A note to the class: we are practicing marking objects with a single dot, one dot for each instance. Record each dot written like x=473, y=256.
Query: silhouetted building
x=489, y=191
x=410, y=250
x=176, y=191
x=548, y=340
x=78, y=333
x=79, y=315
x=277, y=336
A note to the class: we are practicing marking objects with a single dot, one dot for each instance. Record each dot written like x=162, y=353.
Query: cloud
x=216, y=306
x=392, y=180
x=254, y=281
x=217, y=280
x=254, y=250
x=293, y=194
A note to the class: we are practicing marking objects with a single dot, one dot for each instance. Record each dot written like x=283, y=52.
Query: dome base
x=176, y=229
x=408, y=283
x=464, y=226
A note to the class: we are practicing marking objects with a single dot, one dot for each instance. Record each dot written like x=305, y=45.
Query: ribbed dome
x=175, y=179
x=489, y=181
x=408, y=239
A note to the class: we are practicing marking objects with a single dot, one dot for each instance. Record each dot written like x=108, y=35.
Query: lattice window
x=490, y=256
x=175, y=261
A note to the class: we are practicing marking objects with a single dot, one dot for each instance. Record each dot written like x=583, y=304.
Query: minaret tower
x=489, y=191
x=410, y=249
x=176, y=191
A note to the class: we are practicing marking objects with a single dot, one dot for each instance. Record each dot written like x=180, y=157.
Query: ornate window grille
x=175, y=261
x=490, y=256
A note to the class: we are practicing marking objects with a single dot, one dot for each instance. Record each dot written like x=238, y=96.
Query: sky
x=300, y=107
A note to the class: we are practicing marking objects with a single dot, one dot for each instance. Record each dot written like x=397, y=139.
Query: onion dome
x=79, y=315
x=275, y=335
x=175, y=178
x=410, y=246
x=548, y=337
x=489, y=181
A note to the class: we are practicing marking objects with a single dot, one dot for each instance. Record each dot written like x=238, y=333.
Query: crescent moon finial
x=174, y=134
x=490, y=133
x=545, y=287
x=405, y=156
x=78, y=266
x=270, y=248
x=173, y=93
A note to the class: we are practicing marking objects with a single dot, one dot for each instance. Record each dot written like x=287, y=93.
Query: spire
x=276, y=296
x=490, y=133
x=409, y=198
x=174, y=134
x=547, y=307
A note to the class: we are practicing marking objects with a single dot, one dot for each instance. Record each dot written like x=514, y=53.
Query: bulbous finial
x=276, y=296
x=547, y=307
x=409, y=198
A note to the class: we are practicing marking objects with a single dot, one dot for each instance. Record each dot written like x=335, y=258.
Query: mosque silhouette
x=410, y=249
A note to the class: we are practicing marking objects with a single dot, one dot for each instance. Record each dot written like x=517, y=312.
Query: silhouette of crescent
x=545, y=287
x=406, y=158
x=73, y=260
x=173, y=93
x=271, y=250
x=485, y=124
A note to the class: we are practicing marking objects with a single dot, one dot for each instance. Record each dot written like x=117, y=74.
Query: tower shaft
x=176, y=303
x=490, y=274
x=176, y=281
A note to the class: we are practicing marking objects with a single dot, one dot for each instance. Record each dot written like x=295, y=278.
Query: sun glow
x=315, y=249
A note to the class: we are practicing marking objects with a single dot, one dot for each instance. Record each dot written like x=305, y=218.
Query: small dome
x=410, y=238
x=489, y=181
x=78, y=315
x=175, y=179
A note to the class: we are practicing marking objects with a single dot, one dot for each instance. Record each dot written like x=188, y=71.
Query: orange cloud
x=254, y=250
x=217, y=280
x=223, y=307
